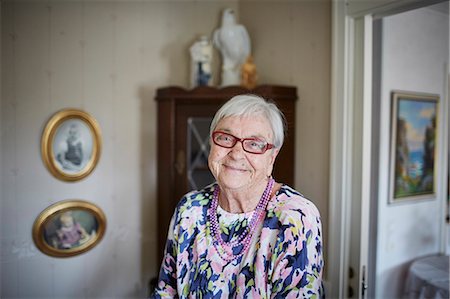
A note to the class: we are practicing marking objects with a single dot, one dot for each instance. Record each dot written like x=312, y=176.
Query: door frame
x=351, y=172
x=350, y=149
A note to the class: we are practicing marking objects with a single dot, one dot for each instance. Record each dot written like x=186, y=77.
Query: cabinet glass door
x=198, y=174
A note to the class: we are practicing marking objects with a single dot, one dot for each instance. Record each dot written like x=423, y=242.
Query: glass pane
x=198, y=173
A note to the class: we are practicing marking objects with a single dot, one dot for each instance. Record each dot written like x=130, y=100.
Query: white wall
x=108, y=58
x=414, y=55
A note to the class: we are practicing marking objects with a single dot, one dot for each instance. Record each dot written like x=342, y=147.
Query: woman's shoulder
x=290, y=202
x=196, y=198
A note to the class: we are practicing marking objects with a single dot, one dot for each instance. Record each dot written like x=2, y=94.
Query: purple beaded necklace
x=244, y=238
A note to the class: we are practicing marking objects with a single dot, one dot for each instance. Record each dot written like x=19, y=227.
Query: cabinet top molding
x=209, y=92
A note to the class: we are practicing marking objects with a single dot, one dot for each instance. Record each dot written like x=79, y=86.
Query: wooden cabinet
x=184, y=117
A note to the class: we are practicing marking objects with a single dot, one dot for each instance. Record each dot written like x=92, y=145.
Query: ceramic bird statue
x=233, y=42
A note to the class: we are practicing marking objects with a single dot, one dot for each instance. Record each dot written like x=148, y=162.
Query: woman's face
x=234, y=168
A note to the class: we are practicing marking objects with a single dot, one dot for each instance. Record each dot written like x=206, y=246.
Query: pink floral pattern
x=284, y=259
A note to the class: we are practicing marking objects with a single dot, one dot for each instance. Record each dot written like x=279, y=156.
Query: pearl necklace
x=245, y=238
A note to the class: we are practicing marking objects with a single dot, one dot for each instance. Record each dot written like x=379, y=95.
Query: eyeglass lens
x=251, y=145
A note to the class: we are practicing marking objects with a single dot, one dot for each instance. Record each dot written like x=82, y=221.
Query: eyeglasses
x=250, y=145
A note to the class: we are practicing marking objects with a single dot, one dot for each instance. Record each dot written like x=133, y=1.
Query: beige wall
x=292, y=46
x=108, y=58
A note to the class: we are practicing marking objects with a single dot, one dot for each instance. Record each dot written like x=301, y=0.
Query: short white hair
x=251, y=105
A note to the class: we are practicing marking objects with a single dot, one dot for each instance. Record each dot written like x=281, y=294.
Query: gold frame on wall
x=414, y=146
x=86, y=216
x=54, y=130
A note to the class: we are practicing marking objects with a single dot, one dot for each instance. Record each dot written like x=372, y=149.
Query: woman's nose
x=237, y=150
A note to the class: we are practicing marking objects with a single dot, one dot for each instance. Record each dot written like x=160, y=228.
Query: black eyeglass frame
x=267, y=147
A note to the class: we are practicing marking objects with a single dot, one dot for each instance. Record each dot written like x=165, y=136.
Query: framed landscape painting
x=413, y=146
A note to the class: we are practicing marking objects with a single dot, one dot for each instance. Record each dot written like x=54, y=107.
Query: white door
x=359, y=154
x=361, y=158
x=351, y=158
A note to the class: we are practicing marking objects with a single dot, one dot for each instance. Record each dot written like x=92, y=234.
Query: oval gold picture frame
x=69, y=228
x=71, y=144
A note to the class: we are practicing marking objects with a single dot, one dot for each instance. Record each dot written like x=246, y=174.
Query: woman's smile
x=234, y=168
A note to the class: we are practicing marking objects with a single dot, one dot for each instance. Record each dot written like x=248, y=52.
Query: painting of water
x=413, y=145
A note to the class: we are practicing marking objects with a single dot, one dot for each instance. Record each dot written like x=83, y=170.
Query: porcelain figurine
x=201, y=57
x=233, y=42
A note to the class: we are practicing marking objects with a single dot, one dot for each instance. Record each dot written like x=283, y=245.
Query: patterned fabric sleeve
x=167, y=282
x=297, y=260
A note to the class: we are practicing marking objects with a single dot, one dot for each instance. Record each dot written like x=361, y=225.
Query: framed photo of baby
x=413, y=146
x=71, y=144
x=69, y=228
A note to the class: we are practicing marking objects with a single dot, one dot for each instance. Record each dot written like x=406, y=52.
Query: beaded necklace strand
x=245, y=238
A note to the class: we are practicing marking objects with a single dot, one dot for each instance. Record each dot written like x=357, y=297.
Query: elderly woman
x=245, y=236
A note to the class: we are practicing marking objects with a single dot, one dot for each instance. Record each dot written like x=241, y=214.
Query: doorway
x=365, y=228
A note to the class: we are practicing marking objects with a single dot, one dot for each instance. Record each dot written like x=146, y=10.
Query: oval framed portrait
x=69, y=228
x=71, y=144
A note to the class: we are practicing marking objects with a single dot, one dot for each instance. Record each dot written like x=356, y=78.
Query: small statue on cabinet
x=201, y=57
x=233, y=41
x=248, y=73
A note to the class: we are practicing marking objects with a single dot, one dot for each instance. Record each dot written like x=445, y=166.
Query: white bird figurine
x=233, y=42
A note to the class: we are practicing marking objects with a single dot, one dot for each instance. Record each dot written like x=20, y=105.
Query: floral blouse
x=284, y=259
